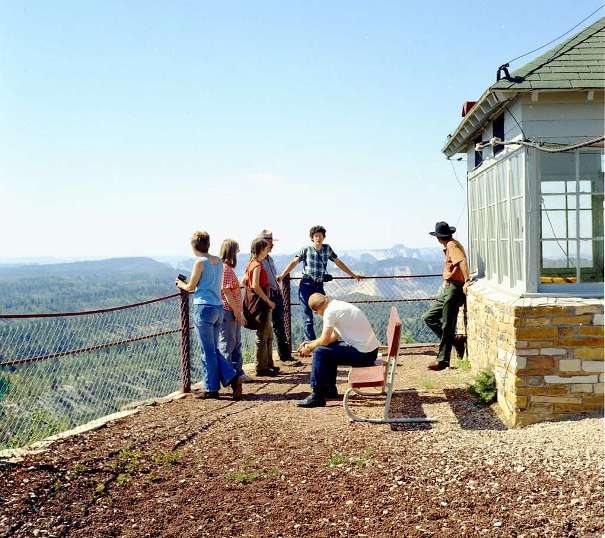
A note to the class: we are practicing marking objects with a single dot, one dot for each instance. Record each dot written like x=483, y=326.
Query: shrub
x=484, y=387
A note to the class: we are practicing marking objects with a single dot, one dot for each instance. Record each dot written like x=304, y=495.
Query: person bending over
x=347, y=338
x=315, y=261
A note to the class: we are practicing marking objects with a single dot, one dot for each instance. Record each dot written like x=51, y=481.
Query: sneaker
x=313, y=400
x=287, y=359
x=438, y=366
x=245, y=378
x=274, y=368
x=236, y=385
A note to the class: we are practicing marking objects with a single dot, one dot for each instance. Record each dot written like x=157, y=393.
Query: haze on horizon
x=126, y=127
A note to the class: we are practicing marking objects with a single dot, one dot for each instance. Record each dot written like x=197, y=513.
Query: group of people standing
x=347, y=336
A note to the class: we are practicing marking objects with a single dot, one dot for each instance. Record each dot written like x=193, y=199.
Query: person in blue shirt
x=205, y=284
x=315, y=259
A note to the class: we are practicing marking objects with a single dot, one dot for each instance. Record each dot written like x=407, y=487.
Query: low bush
x=483, y=387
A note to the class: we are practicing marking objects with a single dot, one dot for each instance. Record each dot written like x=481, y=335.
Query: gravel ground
x=262, y=467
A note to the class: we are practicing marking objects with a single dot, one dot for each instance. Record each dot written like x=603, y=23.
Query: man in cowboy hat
x=443, y=314
x=275, y=295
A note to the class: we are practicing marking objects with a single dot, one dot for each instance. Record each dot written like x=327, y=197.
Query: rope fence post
x=185, y=344
x=285, y=287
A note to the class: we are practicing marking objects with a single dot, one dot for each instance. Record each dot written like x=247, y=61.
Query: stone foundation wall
x=547, y=353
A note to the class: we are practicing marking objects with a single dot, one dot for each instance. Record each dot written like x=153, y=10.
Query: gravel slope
x=261, y=467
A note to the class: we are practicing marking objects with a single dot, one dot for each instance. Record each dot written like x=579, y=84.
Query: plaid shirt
x=315, y=263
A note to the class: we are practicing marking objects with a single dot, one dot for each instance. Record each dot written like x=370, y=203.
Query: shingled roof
x=579, y=62
x=576, y=64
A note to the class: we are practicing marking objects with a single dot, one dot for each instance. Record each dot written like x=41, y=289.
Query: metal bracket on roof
x=503, y=67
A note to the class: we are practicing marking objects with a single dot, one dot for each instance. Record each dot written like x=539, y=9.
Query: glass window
x=571, y=186
x=497, y=205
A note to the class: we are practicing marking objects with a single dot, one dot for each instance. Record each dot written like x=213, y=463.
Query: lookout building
x=534, y=148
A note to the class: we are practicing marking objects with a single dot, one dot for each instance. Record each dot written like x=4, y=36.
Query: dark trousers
x=307, y=288
x=326, y=360
x=278, y=325
x=442, y=317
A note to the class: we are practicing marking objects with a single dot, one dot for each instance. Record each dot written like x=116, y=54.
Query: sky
x=125, y=126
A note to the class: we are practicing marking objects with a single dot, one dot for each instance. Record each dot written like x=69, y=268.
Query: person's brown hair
x=317, y=230
x=257, y=246
x=200, y=241
x=229, y=250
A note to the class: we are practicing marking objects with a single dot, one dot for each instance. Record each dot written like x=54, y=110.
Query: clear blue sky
x=124, y=126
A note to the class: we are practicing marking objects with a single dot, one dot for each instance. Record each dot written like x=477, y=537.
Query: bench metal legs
x=387, y=404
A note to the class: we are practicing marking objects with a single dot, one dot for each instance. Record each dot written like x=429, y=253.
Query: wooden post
x=285, y=287
x=185, y=344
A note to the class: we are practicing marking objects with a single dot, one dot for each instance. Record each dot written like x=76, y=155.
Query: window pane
x=517, y=175
x=572, y=186
x=553, y=224
x=591, y=260
x=585, y=202
x=585, y=186
x=590, y=163
x=552, y=186
x=517, y=218
x=558, y=262
x=558, y=166
x=502, y=181
x=586, y=224
x=554, y=202
x=571, y=201
x=517, y=261
x=571, y=224
x=503, y=260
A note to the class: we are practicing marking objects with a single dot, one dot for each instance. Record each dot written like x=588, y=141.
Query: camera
x=182, y=278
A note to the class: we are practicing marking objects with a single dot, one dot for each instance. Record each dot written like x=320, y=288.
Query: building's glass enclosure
x=536, y=220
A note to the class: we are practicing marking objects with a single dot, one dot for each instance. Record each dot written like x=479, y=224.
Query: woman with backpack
x=258, y=306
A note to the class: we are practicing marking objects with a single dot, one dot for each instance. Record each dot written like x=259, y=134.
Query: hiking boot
x=266, y=373
x=211, y=395
x=438, y=366
x=236, y=385
x=291, y=361
x=459, y=344
x=332, y=394
x=313, y=400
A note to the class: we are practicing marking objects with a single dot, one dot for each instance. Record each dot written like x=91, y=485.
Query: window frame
x=579, y=288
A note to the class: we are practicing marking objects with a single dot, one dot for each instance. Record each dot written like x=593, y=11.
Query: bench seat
x=367, y=376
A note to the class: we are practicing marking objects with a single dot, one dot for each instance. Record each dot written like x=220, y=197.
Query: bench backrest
x=393, y=333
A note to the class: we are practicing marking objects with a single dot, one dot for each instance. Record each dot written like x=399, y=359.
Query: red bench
x=380, y=376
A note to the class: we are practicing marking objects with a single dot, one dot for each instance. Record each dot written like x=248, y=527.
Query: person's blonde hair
x=317, y=300
x=200, y=241
x=229, y=250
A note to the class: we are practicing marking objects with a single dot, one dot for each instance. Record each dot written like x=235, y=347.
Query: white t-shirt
x=351, y=325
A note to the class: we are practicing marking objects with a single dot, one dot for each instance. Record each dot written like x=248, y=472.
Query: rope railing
x=62, y=369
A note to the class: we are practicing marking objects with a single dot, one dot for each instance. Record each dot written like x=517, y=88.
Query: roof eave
x=476, y=119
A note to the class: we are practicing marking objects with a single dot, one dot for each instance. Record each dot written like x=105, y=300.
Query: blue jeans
x=307, y=288
x=216, y=370
x=230, y=341
x=326, y=360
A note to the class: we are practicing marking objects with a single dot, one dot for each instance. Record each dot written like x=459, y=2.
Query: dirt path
x=262, y=467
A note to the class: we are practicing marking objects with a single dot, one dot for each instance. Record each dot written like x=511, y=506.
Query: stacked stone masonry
x=547, y=353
